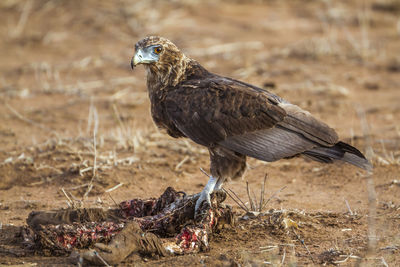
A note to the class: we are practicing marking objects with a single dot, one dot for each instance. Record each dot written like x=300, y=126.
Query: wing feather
x=245, y=119
x=213, y=110
x=270, y=144
x=303, y=122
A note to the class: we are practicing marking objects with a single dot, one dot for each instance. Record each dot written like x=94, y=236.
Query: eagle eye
x=157, y=50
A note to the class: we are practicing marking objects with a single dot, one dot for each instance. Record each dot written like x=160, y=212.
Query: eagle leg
x=218, y=185
x=205, y=194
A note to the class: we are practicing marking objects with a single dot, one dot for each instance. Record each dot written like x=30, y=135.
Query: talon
x=205, y=194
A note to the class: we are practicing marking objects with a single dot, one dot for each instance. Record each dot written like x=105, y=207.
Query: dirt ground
x=75, y=117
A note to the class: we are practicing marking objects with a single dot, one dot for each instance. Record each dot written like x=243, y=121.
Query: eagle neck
x=160, y=77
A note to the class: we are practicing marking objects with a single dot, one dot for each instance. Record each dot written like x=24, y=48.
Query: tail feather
x=340, y=151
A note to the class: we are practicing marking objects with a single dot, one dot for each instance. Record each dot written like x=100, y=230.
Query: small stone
x=371, y=86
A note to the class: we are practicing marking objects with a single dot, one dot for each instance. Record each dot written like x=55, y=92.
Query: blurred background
x=73, y=114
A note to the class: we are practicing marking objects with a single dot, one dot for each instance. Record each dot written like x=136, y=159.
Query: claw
x=205, y=194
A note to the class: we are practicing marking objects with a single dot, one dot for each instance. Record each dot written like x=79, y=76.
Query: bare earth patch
x=75, y=126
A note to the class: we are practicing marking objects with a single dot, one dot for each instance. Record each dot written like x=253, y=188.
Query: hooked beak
x=137, y=58
x=132, y=64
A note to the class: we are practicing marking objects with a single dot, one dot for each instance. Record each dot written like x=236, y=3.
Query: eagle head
x=164, y=62
x=155, y=51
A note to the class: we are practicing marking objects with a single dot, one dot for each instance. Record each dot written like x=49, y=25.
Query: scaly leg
x=205, y=194
x=218, y=185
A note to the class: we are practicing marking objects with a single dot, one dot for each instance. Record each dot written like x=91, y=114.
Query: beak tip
x=132, y=65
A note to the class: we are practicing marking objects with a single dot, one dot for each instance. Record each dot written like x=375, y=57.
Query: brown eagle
x=233, y=119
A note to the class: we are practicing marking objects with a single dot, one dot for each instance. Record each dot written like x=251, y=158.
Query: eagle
x=233, y=119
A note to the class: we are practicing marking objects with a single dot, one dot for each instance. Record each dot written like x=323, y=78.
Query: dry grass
x=252, y=207
x=97, y=97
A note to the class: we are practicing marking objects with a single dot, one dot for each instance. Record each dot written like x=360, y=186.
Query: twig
x=343, y=261
x=82, y=171
x=90, y=187
x=22, y=118
x=269, y=247
x=203, y=171
x=304, y=244
x=95, y=127
x=262, y=193
x=348, y=207
x=370, y=185
x=273, y=195
x=248, y=194
x=239, y=199
x=284, y=256
x=70, y=202
x=115, y=187
x=78, y=186
x=76, y=200
x=101, y=258
x=90, y=116
x=384, y=262
x=237, y=202
x=118, y=118
x=179, y=165
x=114, y=201
x=255, y=200
x=23, y=19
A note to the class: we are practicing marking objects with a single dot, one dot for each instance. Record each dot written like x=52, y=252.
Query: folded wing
x=250, y=121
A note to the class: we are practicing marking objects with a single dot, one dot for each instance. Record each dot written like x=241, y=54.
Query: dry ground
x=65, y=77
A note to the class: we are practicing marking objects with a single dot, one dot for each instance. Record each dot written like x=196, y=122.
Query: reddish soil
x=64, y=69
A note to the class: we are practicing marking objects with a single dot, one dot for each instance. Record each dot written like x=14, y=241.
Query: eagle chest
x=161, y=118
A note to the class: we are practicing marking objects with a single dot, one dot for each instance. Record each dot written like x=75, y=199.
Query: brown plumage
x=232, y=118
